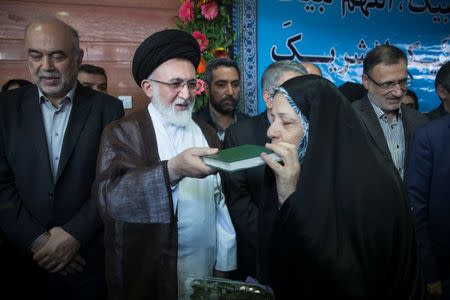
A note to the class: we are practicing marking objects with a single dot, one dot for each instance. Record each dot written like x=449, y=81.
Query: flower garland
x=209, y=22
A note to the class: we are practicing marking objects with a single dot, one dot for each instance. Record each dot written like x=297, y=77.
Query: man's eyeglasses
x=390, y=85
x=178, y=85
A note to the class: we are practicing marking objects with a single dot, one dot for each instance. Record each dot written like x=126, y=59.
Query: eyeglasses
x=273, y=92
x=178, y=85
x=403, y=84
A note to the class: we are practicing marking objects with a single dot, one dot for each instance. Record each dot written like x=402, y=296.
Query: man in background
x=429, y=189
x=389, y=122
x=312, y=69
x=244, y=187
x=93, y=77
x=14, y=84
x=49, y=138
x=442, y=86
x=223, y=86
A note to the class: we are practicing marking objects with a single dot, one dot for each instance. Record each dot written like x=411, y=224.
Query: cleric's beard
x=170, y=113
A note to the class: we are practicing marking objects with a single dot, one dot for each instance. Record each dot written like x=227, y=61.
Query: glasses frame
x=174, y=85
x=403, y=86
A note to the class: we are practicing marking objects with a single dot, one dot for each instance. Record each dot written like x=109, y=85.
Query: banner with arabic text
x=336, y=35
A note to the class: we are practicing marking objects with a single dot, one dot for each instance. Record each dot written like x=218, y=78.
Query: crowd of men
x=95, y=205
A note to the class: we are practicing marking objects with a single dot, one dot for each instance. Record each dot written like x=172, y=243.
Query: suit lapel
x=373, y=126
x=80, y=110
x=407, y=129
x=33, y=123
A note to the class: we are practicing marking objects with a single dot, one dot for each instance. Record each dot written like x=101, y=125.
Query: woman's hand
x=287, y=172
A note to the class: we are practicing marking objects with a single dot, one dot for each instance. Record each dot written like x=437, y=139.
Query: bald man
x=48, y=148
x=312, y=69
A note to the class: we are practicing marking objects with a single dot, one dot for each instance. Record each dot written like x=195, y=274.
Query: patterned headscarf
x=303, y=145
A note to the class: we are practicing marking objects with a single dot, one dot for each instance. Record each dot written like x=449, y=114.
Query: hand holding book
x=189, y=164
x=286, y=174
x=239, y=158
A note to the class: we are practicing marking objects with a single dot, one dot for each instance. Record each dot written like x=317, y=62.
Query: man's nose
x=184, y=93
x=47, y=63
x=229, y=89
x=398, y=90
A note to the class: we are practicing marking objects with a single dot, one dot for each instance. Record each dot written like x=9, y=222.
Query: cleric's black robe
x=347, y=232
x=135, y=201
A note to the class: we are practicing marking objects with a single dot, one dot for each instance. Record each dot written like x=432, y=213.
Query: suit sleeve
x=15, y=220
x=418, y=185
x=86, y=223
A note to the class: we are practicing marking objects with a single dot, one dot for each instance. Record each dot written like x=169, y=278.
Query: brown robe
x=135, y=201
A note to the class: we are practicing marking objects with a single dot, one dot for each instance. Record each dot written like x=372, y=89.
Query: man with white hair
x=164, y=212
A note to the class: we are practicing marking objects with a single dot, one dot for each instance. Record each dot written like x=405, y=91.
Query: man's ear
x=365, y=81
x=80, y=57
x=146, y=86
x=266, y=98
x=441, y=92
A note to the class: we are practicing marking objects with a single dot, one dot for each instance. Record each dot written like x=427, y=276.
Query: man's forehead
x=224, y=73
x=53, y=36
x=391, y=70
x=176, y=68
x=86, y=75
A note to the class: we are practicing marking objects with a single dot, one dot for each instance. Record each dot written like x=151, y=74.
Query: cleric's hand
x=189, y=163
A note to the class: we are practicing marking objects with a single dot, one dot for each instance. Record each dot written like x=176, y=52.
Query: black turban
x=160, y=47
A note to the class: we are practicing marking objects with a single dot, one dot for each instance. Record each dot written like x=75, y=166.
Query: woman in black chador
x=343, y=229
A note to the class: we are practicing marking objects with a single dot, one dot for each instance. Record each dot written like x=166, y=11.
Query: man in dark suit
x=429, y=190
x=388, y=122
x=49, y=138
x=243, y=188
x=442, y=86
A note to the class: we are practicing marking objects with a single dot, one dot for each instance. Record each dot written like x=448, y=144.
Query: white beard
x=176, y=117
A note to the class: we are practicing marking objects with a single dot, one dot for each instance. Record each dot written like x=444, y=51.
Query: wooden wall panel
x=13, y=69
x=94, y=23
x=160, y=4
x=110, y=32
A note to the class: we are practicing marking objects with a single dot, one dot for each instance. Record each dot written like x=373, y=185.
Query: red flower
x=210, y=10
x=201, y=66
x=200, y=87
x=201, y=39
x=186, y=11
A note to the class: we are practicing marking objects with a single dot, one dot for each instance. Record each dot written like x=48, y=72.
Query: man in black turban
x=160, y=47
x=164, y=213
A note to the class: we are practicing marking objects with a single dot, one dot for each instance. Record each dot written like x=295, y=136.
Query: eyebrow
x=178, y=79
x=226, y=81
x=285, y=115
x=30, y=50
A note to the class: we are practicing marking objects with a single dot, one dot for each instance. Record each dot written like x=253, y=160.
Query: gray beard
x=170, y=113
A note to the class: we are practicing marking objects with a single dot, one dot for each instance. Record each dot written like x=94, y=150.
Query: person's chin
x=51, y=90
x=228, y=109
x=393, y=103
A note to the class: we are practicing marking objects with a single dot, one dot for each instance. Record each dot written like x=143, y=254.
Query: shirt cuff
x=38, y=239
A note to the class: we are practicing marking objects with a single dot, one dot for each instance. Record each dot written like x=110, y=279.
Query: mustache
x=180, y=101
x=229, y=98
x=53, y=74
